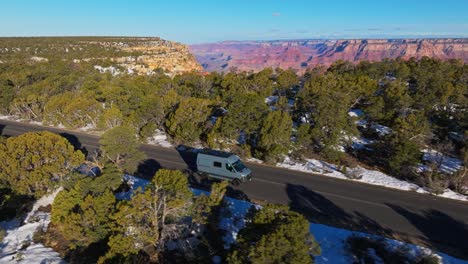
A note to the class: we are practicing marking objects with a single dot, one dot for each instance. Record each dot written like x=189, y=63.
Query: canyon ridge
x=303, y=54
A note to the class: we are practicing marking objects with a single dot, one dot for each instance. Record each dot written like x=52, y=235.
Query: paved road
x=435, y=222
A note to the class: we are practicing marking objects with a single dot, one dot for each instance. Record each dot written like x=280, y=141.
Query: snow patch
x=88, y=127
x=254, y=160
x=448, y=164
x=233, y=219
x=134, y=183
x=361, y=174
x=111, y=69
x=271, y=99
x=381, y=129
x=17, y=237
x=160, y=138
x=356, y=113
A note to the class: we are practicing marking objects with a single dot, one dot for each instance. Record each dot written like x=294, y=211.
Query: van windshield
x=238, y=165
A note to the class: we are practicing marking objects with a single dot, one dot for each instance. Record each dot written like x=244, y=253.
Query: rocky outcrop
x=169, y=56
x=303, y=54
x=138, y=55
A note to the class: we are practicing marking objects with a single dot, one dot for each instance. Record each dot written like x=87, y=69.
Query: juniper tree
x=82, y=219
x=187, y=122
x=275, y=235
x=37, y=162
x=151, y=218
x=120, y=146
x=275, y=136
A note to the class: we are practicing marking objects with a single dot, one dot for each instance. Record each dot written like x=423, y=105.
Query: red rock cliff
x=302, y=54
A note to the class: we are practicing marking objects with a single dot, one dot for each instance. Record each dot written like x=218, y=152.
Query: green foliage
x=110, y=179
x=82, y=219
x=275, y=136
x=120, y=146
x=404, y=154
x=2, y=233
x=245, y=113
x=7, y=94
x=187, y=122
x=111, y=118
x=37, y=162
x=422, y=100
x=72, y=110
x=152, y=215
x=204, y=205
x=328, y=107
x=286, y=79
x=394, y=101
x=275, y=235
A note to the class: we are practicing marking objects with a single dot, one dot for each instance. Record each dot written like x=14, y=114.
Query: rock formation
x=303, y=54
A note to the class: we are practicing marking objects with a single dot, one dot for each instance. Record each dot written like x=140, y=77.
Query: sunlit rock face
x=303, y=54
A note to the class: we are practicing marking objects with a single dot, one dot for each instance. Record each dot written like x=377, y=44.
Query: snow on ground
x=233, y=219
x=18, y=247
x=113, y=70
x=9, y=117
x=134, y=183
x=254, y=160
x=313, y=166
x=447, y=164
x=332, y=242
x=88, y=127
x=331, y=239
x=271, y=99
x=160, y=138
x=360, y=143
x=355, y=113
x=361, y=175
x=381, y=130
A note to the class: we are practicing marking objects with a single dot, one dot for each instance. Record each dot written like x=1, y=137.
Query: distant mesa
x=303, y=54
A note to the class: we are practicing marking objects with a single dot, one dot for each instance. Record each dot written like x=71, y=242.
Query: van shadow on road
x=189, y=156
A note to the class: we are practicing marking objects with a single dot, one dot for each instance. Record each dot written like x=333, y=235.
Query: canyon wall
x=303, y=54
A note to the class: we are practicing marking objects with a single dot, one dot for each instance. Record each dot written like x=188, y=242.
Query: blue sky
x=208, y=21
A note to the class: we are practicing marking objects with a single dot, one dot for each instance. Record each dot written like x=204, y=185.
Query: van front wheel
x=236, y=182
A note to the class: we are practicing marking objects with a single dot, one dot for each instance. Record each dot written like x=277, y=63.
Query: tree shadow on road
x=75, y=142
x=319, y=209
x=147, y=169
x=442, y=232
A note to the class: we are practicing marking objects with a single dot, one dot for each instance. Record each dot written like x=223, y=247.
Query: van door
x=230, y=171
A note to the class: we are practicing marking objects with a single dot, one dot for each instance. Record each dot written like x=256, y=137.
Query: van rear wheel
x=235, y=182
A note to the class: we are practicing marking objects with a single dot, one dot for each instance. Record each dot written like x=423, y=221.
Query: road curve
x=439, y=223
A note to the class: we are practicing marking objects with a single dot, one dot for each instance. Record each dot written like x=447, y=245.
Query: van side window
x=217, y=164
